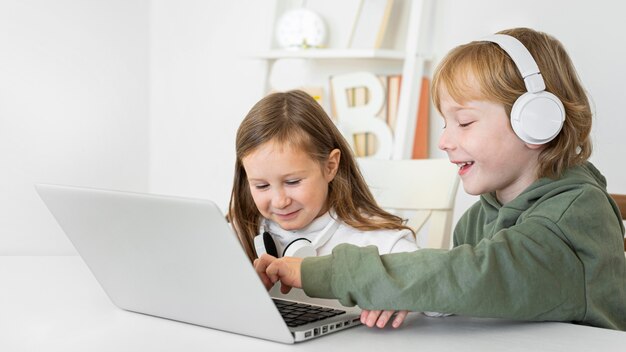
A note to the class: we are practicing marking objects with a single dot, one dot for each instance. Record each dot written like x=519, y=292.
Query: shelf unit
x=332, y=54
x=408, y=57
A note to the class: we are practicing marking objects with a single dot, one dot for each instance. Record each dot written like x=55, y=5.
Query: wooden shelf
x=332, y=54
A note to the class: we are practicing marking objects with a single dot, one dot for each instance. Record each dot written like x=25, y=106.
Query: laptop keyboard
x=296, y=314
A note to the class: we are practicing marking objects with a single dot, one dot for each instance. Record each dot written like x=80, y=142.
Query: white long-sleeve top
x=387, y=241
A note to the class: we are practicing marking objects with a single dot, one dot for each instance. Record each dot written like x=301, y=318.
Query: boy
x=545, y=240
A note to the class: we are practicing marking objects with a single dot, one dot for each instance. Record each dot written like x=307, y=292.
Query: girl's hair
x=499, y=81
x=296, y=120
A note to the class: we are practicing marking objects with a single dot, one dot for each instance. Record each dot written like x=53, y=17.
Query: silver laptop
x=179, y=259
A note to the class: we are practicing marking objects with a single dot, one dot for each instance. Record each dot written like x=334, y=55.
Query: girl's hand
x=381, y=318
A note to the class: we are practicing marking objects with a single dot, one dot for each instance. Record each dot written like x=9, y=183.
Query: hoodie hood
x=582, y=176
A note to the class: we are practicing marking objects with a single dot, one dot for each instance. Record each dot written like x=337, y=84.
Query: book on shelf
x=361, y=140
x=368, y=30
x=420, y=139
x=394, y=82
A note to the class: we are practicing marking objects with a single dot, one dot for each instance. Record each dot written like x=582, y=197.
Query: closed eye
x=261, y=186
x=465, y=124
x=293, y=182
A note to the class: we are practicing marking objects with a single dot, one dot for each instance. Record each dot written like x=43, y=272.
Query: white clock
x=300, y=29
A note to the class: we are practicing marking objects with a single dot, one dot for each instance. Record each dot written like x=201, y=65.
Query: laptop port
x=307, y=334
x=324, y=329
x=338, y=325
x=346, y=323
x=356, y=320
x=316, y=331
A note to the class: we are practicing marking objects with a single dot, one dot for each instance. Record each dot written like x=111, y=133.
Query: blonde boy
x=545, y=240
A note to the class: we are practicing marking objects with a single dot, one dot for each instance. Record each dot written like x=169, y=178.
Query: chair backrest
x=423, y=190
x=620, y=199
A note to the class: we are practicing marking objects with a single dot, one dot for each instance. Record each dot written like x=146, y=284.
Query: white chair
x=421, y=190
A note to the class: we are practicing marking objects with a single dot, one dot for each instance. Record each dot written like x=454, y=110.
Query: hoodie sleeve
x=516, y=274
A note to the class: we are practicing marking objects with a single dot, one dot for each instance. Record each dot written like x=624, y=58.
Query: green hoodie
x=553, y=253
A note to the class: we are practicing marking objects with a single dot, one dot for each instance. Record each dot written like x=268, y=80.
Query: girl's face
x=289, y=187
x=478, y=138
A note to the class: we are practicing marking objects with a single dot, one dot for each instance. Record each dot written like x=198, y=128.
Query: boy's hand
x=260, y=265
x=381, y=318
x=286, y=270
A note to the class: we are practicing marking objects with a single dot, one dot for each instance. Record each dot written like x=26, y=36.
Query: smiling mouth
x=287, y=215
x=464, y=166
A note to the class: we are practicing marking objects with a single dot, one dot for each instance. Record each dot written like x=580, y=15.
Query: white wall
x=73, y=108
x=147, y=95
x=202, y=85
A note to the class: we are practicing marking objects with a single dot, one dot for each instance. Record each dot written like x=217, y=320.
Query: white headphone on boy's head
x=537, y=116
x=300, y=247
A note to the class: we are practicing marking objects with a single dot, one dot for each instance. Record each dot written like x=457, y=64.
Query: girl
x=295, y=174
x=296, y=182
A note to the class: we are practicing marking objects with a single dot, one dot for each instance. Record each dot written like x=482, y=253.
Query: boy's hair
x=295, y=119
x=499, y=81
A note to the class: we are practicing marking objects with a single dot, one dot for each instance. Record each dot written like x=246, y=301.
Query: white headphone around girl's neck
x=537, y=116
x=300, y=247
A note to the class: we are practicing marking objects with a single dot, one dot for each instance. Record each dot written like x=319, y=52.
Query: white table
x=55, y=304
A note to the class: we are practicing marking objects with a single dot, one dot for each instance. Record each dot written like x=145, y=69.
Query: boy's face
x=478, y=138
x=288, y=186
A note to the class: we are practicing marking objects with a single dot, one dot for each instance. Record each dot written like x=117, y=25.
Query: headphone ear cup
x=300, y=248
x=537, y=118
x=270, y=246
x=264, y=244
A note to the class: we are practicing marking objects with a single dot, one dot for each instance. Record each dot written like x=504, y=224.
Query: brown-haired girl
x=297, y=189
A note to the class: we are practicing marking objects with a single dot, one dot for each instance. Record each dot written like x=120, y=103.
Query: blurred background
x=146, y=95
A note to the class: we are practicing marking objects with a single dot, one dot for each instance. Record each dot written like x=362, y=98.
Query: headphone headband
x=300, y=247
x=526, y=65
x=537, y=116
